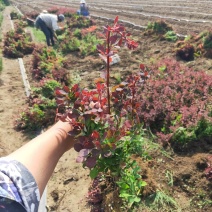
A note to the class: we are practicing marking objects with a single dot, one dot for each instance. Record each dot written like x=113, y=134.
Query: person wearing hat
x=84, y=10
x=48, y=25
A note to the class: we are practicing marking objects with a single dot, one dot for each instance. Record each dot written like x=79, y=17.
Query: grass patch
x=1, y=65
x=159, y=200
x=38, y=34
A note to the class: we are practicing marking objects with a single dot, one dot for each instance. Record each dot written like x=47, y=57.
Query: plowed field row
x=185, y=17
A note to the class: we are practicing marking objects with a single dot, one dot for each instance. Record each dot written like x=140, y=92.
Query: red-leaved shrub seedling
x=102, y=116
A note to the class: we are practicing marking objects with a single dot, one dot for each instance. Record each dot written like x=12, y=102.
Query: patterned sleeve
x=18, y=189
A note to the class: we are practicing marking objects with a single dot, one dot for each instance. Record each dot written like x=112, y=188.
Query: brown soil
x=69, y=184
x=185, y=16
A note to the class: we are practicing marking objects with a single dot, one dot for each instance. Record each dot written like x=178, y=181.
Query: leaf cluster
x=185, y=50
x=175, y=99
x=158, y=27
x=46, y=88
x=195, y=46
x=77, y=21
x=131, y=184
x=17, y=44
x=48, y=63
x=171, y=36
x=40, y=113
x=96, y=128
x=49, y=70
x=41, y=107
x=77, y=42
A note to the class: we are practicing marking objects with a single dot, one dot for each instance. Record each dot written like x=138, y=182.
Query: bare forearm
x=41, y=154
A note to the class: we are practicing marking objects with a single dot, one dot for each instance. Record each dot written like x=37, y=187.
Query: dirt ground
x=69, y=184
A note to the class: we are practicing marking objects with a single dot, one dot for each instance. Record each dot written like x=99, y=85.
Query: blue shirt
x=84, y=10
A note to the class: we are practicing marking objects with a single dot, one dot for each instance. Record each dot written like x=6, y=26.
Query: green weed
x=117, y=77
x=169, y=177
x=171, y=36
x=185, y=135
x=207, y=41
x=159, y=27
x=131, y=184
x=160, y=201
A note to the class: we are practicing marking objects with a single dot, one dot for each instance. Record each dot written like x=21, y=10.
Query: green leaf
x=124, y=186
x=162, y=68
x=134, y=199
x=93, y=173
x=125, y=195
x=142, y=183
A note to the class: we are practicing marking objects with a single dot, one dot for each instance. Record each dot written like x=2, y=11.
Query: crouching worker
x=84, y=10
x=48, y=25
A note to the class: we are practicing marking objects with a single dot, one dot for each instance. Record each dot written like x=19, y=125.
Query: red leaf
x=121, y=28
x=95, y=134
x=116, y=20
x=146, y=73
x=97, y=144
x=84, y=152
x=66, y=89
x=88, y=145
x=95, y=97
x=101, y=49
x=60, y=92
x=90, y=162
x=142, y=67
x=120, y=41
x=113, y=39
x=78, y=147
x=59, y=101
x=127, y=124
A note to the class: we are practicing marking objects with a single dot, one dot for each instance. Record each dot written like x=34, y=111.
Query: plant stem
x=108, y=71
